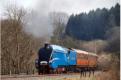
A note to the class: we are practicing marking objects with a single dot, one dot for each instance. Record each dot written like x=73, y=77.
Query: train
x=57, y=59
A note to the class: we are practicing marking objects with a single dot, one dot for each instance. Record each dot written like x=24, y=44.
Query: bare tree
x=18, y=48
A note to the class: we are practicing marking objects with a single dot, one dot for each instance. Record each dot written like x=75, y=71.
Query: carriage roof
x=85, y=52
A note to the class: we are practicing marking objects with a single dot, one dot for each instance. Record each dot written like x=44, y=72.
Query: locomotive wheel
x=45, y=69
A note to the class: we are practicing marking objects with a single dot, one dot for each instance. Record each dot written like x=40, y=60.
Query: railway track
x=44, y=75
x=65, y=76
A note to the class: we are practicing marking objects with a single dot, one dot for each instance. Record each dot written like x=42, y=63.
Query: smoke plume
x=39, y=21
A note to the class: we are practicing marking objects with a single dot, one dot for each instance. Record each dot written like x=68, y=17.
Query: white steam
x=41, y=25
x=38, y=25
x=39, y=22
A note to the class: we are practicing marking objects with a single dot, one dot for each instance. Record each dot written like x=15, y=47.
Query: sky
x=67, y=6
x=39, y=23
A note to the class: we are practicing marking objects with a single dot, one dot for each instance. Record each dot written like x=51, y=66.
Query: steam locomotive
x=55, y=58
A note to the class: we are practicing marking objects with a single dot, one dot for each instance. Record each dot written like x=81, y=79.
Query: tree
x=93, y=25
x=18, y=49
x=113, y=38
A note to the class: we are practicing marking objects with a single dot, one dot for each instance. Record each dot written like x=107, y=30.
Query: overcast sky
x=67, y=6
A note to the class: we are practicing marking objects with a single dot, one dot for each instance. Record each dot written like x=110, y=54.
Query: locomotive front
x=42, y=63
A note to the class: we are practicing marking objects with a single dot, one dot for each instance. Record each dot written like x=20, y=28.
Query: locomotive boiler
x=55, y=58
